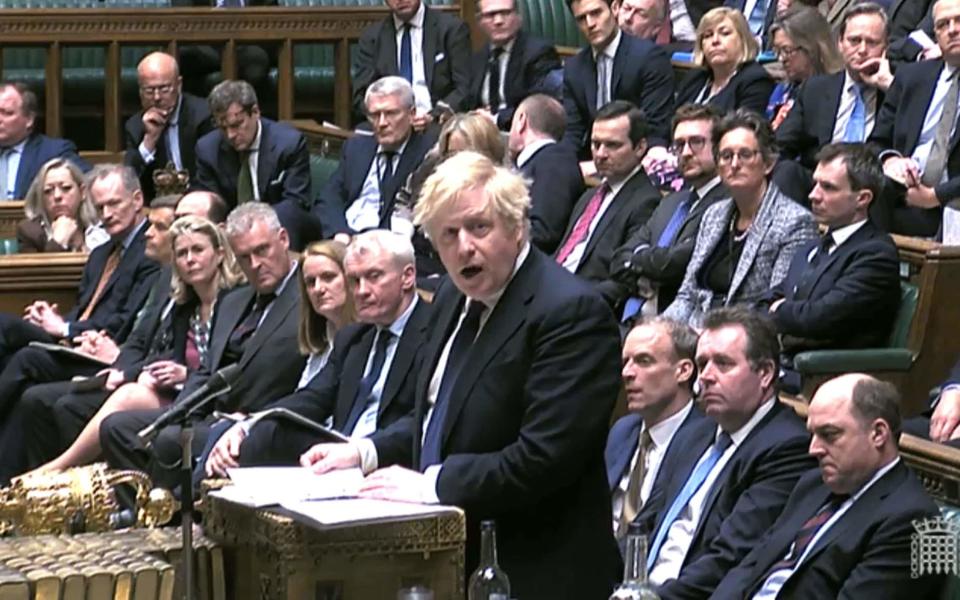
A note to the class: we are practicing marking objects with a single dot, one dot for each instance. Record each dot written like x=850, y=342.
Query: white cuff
x=145, y=154
x=432, y=474
x=922, y=39
x=65, y=332
x=368, y=454
x=641, y=247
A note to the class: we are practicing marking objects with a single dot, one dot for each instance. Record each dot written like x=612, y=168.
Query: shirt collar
x=531, y=149
x=133, y=233
x=662, y=432
x=255, y=146
x=398, y=325
x=741, y=434
x=703, y=190
x=416, y=21
x=876, y=477
x=283, y=284
x=491, y=301
x=616, y=187
x=398, y=151
x=611, y=49
x=842, y=234
x=175, y=117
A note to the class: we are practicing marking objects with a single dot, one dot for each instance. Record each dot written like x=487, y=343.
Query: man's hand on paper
x=396, y=483
x=322, y=458
x=226, y=451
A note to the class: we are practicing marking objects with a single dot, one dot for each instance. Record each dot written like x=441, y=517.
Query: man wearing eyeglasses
x=652, y=262
x=167, y=129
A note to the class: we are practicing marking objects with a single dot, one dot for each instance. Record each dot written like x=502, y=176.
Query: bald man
x=168, y=127
x=202, y=203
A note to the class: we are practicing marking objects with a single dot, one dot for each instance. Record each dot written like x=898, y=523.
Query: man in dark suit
x=511, y=65
x=911, y=31
x=738, y=467
x=606, y=217
x=518, y=382
x=362, y=192
x=168, y=127
x=847, y=528
x=23, y=151
x=760, y=15
x=369, y=381
x=256, y=328
x=428, y=48
x=614, y=66
x=658, y=375
x=652, y=262
x=836, y=107
x=251, y=158
x=916, y=127
x=551, y=168
x=841, y=291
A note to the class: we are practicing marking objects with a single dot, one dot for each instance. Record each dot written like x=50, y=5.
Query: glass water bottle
x=635, y=585
x=488, y=582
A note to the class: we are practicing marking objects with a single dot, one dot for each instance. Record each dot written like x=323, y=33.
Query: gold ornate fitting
x=169, y=180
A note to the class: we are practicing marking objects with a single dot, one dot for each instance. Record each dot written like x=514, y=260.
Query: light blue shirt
x=13, y=156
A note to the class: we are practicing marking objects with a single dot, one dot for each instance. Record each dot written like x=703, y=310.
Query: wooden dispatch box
x=271, y=553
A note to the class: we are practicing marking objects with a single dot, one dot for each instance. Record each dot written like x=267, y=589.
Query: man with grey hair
x=255, y=328
x=846, y=529
x=367, y=384
x=361, y=193
x=252, y=158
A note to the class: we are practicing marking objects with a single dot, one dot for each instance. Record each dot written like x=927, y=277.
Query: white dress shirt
x=364, y=212
x=527, y=153
x=848, y=99
x=675, y=546
x=171, y=134
x=421, y=92
x=681, y=25
x=932, y=120
x=253, y=159
x=840, y=235
x=485, y=88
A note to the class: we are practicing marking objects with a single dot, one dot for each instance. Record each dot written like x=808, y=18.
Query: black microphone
x=219, y=383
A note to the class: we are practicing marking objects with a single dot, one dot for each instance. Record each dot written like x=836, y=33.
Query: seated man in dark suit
x=837, y=107
x=916, y=125
x=362, y=192
x=614, y=66
x=760, y=15
x=848, y=526
x=168, y=127
x=511, y=65
x=738, y=467
x=253, y=159
x=652, y=262
x=911, y=31
x=368, y=382
x=658, y=375
x=428, y=48
x=25, y=151
x=518, y=382
x=842, y=291
x=551, y=168
x=606, y=217
x=255, y=328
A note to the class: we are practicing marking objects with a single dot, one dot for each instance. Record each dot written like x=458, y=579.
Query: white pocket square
x=439, y=57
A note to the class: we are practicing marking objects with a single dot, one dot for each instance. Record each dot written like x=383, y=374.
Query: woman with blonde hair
x=728, y=75
x=204, y=268
x=59, y=215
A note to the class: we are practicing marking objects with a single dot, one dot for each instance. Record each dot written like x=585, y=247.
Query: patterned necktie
x=823, y=251
x=459, y=349
x=603, y=80
x=113, y=261
x=937, y=160
x=582, y=227
x=244, y=179
x=631, y=500
x=694, y=482
x=493, y=68
x=386, y=167
x=757, y=16
x=245, y=330
x=807, y=532
x=365, y=390
x=676, y=220
x=406, y=54
x=857, y=125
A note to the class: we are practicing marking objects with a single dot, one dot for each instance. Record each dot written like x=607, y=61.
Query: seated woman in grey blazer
x=745, y=243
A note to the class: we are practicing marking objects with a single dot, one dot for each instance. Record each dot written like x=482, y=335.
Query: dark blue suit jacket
x=283, y=173
x=866, y=554
x=768, y=18
x=744, y=501
x=544, y=370
x=848, y=301
x=555, y=185
x=750, y=87
x=346, y=182
x=531, y=60
x=37, y=151
x=641, y=74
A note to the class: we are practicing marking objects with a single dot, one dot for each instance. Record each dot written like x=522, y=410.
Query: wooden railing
x=54, y=277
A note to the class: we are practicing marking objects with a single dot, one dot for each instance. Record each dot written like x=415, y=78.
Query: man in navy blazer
x=738, y=467
x=440, y=58
x=251, y=158
x=350, y=390
x=518, y=63
x=658, y=374
x=635, y=70
x=23, y=151
x=847, y=528
x=362, y=192
x=520, y=343
x=911, y=30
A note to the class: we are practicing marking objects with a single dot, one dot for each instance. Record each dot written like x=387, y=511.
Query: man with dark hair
x=605, y=217
x=841, y=291
x=250, y=158
x=652, y=262
x=511, y=65
x=614, y=66
x=846, y=529
x=736, y=469
x=658, y=374
x=23, y=151
x=551, y=168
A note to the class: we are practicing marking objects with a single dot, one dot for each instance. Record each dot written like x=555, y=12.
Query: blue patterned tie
x=690, y=488
x=406, y=55
x=857, y=125
x=757, y=17
x=365, y=391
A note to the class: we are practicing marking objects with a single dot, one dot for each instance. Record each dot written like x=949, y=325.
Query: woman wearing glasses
x=745, y=244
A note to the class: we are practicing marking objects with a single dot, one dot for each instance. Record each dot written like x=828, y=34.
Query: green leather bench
x=552, y=21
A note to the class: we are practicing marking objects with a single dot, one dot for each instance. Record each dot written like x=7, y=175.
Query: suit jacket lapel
x=28, y=159
x=388, y=41
x=481, y=60
x=429, y=45
x=404, y=165
x=353, y=367
x=620, y=450
x=680, y=466
x=228, y=317
x=359, y=168
x=865, y=232
x=185, y=125
x=283, y=304
x=266, y=159
x=591, y=82
x=230, y=160
x=619, y=63
x=447, y=313
x=828, y=120
x=513, y=81
x=403, y=356
x=759, y=228
x=927, y=89
x=620, y=202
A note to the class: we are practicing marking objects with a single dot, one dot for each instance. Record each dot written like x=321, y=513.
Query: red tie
x=582, y=227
